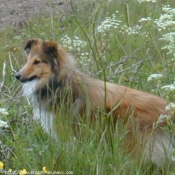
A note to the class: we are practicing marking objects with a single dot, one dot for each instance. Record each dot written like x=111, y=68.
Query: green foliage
x=122, y=43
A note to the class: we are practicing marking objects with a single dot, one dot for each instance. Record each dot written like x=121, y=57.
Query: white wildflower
x=166, y=20
x=75, y=44
x=169, y=88
x=86, y=53
x=131, y=30
x=3, y=111
x=140, y=1
x=70, y=48
x=3, y=124
x=171, y=106
x=168, y=9
x=145, y=19
x=170, y=39
x=66, y=40
x=154, y=77
x=108, y=24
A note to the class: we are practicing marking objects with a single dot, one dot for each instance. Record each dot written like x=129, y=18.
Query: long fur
x=50, y=77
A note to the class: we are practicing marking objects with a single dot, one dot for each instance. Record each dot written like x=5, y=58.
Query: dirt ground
x=15, y=13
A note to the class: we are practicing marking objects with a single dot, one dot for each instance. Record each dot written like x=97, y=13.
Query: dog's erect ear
x=50, y=48
x=28, y=45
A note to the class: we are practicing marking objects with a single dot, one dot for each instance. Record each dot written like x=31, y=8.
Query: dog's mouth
x=26, y=80
x=23, y=79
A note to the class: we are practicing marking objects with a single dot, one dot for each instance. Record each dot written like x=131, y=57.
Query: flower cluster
x=3, y=111
x=3, y=124
x=166, y=24
x=166, y=20
x=73, y=44
x=154, y=77
x=156, y=81
x=78, y=46
x=140, y=1
x=135, y=30
x=108, y=24
x=145, y=19
x=169, y=88
x=171, y=106
x=168, y=91
x=170, y=39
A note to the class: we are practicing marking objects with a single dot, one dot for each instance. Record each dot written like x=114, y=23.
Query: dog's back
x=141, y=113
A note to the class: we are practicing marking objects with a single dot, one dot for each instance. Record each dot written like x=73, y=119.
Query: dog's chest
x=45, y=118
x=40, y=111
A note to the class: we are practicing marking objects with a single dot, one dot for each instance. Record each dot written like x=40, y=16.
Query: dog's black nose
x=18, y=76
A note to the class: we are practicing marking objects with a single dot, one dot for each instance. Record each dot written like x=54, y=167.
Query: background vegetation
x=127, y=42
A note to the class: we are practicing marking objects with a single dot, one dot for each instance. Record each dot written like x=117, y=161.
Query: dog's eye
x=36, y=62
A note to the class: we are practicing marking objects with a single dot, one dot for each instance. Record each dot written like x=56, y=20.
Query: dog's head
x=42, y=61
x=47, y=64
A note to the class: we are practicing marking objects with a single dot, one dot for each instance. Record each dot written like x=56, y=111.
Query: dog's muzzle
x=23, y=79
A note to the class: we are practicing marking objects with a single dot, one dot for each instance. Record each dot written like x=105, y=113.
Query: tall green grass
x=126, y=54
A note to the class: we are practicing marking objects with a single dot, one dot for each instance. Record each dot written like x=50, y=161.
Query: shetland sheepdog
x=50, y=77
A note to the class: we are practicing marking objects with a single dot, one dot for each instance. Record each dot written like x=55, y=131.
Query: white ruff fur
x=29, y=88
x=39, y=112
